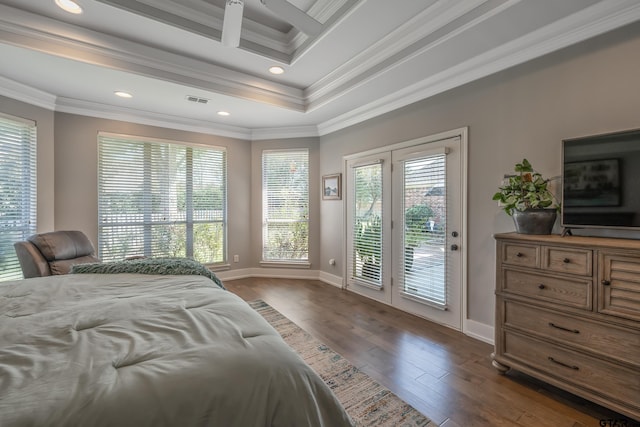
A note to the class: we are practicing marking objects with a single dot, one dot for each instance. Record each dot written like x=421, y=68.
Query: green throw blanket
x=168, y=266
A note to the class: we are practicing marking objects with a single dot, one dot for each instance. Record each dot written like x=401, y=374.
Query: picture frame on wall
x=332, y=187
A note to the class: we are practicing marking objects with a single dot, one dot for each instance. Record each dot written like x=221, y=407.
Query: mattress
x=148, y=350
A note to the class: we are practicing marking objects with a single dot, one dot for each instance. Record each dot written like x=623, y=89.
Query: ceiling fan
x=232, y=24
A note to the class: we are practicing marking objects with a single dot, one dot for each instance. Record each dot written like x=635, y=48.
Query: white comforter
x=139, y=350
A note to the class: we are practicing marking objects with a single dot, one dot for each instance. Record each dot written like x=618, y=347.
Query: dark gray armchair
x=47, y=254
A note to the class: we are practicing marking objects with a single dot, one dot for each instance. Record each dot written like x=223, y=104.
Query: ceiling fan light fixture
x=69, y=6
x=232, y=23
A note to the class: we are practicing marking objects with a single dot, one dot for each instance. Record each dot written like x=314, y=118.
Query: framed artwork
x=592, y=183
x=331, y=187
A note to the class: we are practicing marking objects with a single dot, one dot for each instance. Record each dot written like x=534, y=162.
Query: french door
x=404, y=227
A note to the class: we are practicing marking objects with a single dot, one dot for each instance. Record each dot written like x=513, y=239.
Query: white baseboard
x=331, y=279
x=285, y=273
x=242, y=273
x=479, y=331
x=279, y=273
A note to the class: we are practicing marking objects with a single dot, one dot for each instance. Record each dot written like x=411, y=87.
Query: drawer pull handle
x=551, y=359
x=605, y=283
x=519, y=255
x=553, y=325
x=566, y=260
x=541, y=286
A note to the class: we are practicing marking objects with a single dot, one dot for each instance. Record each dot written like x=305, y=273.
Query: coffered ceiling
x=369, y=57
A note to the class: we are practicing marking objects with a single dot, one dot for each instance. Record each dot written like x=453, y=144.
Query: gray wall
x=45, y=154
x=526, y=111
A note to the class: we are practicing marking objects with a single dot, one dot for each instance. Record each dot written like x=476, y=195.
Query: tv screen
x=601, y=181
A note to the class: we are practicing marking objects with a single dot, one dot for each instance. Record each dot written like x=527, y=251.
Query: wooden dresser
x=568, y=313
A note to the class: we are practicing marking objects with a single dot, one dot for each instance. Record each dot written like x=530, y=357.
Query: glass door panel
x=425, y=221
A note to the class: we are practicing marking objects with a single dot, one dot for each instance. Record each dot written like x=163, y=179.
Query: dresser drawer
x=607, y=340
x=575, y=292
x=522, y=255
x=571, y=261
x=603, y=378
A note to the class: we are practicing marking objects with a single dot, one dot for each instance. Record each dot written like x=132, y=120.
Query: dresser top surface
x=575, y=241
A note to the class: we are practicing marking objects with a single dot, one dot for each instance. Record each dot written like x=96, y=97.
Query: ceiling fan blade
x=232, y=24
x=294, y=16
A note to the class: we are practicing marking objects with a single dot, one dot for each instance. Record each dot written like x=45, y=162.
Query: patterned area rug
x=366, y=401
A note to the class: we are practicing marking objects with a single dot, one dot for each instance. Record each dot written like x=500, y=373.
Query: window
x=366, y=223
x=424, y=212
x=285, y=205
x=162, y=199
x=17, y=190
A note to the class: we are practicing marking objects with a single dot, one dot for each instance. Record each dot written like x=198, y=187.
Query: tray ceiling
x=370, y=57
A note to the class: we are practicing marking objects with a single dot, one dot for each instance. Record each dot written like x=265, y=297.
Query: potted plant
x=368, y=245
x=525, y=196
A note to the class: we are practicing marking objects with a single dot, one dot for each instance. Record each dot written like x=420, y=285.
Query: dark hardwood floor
x=441, y=372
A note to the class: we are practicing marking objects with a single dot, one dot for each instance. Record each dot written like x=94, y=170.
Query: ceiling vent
x=197, y=99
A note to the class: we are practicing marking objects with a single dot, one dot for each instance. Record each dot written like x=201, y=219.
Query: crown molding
x=206, y=19
x=595, y=20
x=370, y=62
x=284, y=132
x=591, y=22
x=20, y=92
x=24, y=29
x=331, y=15
x=27, y=94
x=103, y=111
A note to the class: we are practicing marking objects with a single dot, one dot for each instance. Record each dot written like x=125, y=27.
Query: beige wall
x=76, y=176
x=590, y=88
x=45, y=156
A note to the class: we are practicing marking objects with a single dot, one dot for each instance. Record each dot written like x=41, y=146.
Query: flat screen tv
x=601, y=181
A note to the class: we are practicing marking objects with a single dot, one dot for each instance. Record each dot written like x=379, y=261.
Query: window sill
x=285, y=264
x=218, y=267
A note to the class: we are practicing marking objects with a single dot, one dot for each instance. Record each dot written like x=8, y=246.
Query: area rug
x=365, y=400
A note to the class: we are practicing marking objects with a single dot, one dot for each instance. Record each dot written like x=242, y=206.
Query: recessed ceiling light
x=69, y=6
x=276, y=70
x=123, y=94
x=224, y=113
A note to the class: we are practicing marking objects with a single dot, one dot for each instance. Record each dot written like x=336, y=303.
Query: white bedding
x=140, y=350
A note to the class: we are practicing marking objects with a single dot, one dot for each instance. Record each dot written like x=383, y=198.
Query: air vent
x=197, y=99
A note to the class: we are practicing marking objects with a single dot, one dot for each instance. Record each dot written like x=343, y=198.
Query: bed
x=133, y=349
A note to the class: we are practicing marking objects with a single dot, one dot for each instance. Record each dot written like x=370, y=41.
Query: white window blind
x=161, y=199
x=285, y=205
x=17, y=190
x=424, y=219
x=366, y=259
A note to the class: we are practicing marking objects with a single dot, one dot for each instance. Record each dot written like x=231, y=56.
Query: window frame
x=284, y=262
x=25, y=183
x=150, y=144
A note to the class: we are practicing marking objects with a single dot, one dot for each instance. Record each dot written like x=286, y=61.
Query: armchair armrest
x=32, y=262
